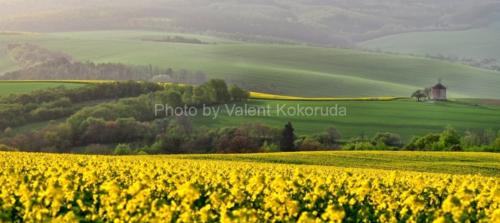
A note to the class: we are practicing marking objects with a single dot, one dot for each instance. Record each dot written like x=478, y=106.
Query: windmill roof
x=439, y=86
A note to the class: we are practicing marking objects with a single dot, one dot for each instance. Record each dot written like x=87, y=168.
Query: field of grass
x=474, y=43
x=405, y=117
x=295, y=70
x=363, y=116
x=7, y=88
x=437, y=162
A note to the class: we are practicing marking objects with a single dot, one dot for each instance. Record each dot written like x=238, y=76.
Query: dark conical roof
x=439, y=86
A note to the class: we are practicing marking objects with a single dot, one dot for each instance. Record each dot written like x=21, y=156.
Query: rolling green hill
x=352, y=118
x=277, y=68
x=407, y=118
x=20, y=87
x=475, y=43
x=339, y=22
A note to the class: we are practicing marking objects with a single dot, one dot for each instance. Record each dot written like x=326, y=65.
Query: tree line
x=125, y=123
x=128, y=119
x=51, y=104
x=38, y=63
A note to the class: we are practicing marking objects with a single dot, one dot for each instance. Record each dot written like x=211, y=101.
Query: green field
x=404, y=117
x=7, y=88
x=474, y=43
x=439, y=162
x=362, y=118
x=287, y=69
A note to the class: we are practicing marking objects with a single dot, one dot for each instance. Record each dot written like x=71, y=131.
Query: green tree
x=387, y=139
x=426, y=142
x=218, y=91
x=331, y=136
x=201, y=95
x=449, y=139
x=187, y=95
x=287, y=142
x=309, y=144
x=122, y=149
x=238, y=94
x=174, y=99
x=419, y=94
x=496, y=143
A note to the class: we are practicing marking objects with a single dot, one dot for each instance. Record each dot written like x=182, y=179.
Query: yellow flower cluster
x=68, y=188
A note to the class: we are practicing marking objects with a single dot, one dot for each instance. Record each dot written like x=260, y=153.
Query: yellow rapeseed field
x=67, y=188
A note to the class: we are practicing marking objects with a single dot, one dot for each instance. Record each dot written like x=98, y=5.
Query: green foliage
x=359, y=146
x=387, y=139
x=287, y=142
x=331, y=137
x=427, y=142
x=217, y=91
x=238, y=94
x=188, y=96
x=6, y=148
x=309, y=144
x=49, y=104
x=449, y=139
x=173, y=99
x=419, y=94
x=269, y=147
x=123, y=149
x=129, y=120
x=496, y=143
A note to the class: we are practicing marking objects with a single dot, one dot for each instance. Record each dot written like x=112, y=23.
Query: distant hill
x=480, y=43
x=276, y=68
x=331, y=22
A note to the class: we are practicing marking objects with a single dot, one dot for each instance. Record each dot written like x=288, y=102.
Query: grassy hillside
x=439, y=162
x=319, y=21
x=285, y=69
x=474, y=43
x=6, y=63
x=406, y=118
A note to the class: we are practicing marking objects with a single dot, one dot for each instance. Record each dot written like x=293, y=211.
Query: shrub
x=331, y=137
x=269, y=147
x=122, y=149
x=496, y=143
x=309, y=143
x=359, y=146
x=6, y=148
x=427, y=142
x=387, y=140
x=7, y=131
x=449, y=139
